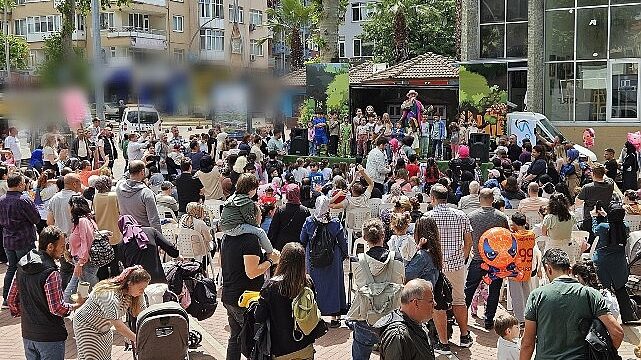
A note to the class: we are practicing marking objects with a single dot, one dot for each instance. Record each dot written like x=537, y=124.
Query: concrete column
x=470, y=40
x=535, y=55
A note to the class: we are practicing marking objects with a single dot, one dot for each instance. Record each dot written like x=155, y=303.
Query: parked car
x=140, y=118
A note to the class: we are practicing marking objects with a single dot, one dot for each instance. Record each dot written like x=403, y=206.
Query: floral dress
x=344, y=146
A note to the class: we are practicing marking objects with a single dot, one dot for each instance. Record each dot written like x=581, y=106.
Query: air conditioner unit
x=252, y=27
x=252, y=57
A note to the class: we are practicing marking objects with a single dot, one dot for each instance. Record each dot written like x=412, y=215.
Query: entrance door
x=516, y=87
x=624, y=99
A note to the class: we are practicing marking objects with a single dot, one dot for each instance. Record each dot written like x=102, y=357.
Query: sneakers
x=442, y=349
x=466, y=341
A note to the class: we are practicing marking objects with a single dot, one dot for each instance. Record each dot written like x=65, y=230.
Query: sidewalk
x=335, y=345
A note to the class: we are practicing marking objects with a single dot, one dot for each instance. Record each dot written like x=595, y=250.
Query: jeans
x=13, y=256
x=312, y=148
x=437, y=149
x=40, y=350
x=365, y=337
x=474, y=277
x=425, y=146
x=235, y=319
x=89, y=274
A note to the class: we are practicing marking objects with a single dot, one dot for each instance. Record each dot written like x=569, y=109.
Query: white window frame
x=80, y=22
x=177, y=20
x=107, y=21
x=363, y=13
x=21, y=2
x=179, y=56
x=217, y=9
x=341, y=54
x=139, y=22
x=255, y=17
x=20, y=27
x=212, y=39
x=113, y=51
x=204, y=9
x=255, y=48
x=241, y=14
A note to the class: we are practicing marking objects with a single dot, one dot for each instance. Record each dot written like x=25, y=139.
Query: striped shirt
x=452, y=226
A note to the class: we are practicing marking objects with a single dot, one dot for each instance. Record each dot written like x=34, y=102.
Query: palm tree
x=289, y=17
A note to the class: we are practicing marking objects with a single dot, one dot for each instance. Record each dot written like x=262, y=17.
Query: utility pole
x=6, y=40
x=98, y=62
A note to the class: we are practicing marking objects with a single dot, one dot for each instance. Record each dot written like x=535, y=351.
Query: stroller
x=633, y=285
x=162, y=332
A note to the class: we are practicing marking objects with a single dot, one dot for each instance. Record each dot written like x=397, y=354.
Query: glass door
x=624, y=99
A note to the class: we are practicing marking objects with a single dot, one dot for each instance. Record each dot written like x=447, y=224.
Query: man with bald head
x=59, y=214
x=482, y=220
x=135, y=198
x=533, y=202
x=403, y=332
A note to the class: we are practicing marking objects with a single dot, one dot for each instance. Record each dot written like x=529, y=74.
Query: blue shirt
x=317, y=178
x=18, y=217
x=319, y=132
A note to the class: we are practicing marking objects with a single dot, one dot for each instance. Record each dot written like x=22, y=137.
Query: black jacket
x=148, y=258
x=287, y=224
x=403, y=338
x=75, y=144
x=38, y=323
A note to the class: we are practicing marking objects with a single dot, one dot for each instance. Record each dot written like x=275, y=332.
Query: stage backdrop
x=327, y=88
x=483, y=96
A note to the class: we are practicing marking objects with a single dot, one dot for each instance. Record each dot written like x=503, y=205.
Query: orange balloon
x=498, y=249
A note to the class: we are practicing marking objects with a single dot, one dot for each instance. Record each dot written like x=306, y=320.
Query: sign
x=523, y=128
x=147, y=43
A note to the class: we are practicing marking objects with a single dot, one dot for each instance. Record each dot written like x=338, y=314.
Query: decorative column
x=535, y=55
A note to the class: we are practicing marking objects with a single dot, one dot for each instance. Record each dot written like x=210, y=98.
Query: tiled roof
x=295, y=78
x=359, y=72
x=426, y=66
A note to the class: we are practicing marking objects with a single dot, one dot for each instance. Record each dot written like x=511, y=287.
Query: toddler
x=479, y=298
x=508, y=345
x=239, y=212
x=401, y=242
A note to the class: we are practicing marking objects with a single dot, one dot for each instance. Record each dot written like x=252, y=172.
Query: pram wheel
x=195, y=338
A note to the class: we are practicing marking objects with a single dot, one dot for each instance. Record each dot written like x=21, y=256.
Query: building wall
x=606, y=137
x=350, y=30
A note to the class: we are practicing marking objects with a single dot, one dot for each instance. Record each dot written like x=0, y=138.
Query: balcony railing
x=136, y=31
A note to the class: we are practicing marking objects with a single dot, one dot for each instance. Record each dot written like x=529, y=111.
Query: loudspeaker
x=480, y=151
x=299, y=146
x=482, y=138
x=298, y=133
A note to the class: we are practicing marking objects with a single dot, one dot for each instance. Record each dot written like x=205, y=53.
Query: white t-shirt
x=13, y=144
x=47, y=152
x=82, y=148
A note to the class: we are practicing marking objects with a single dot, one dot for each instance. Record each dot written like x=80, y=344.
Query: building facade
x=350, y=43
x=581, y=57
x=210, y=31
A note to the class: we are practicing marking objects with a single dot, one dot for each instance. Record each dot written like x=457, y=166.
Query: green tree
x=18, y=51
x=402, y=29
x=56, y=70
x=288, y=18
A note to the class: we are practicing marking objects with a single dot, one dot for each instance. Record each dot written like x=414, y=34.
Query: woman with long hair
x=45, y=189
x=329, y=280
x=107, y=304
x=630, y=167
x=383, y=267
x=585, y=273
x=82, y=236
x=558, y=224
x=275, y=305
x=609, y=255
x=50, y=153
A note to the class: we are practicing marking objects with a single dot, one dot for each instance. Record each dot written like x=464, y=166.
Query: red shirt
x=413, y=169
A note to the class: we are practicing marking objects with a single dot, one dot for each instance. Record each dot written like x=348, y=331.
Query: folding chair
x=384, y=206
x=374, y=205
x=354, y=221
x=215, y=206
x=634, y=222
x=163, y=211
x=424, y=207
x=336, y=213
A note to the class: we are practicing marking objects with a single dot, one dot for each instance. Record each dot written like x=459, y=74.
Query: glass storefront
x=503, y=29
x=593, y=55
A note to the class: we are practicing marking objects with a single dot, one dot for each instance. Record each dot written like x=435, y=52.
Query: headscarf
x=617, y=231
x=321, y=210
x=277, y=185
x=131, y=230
x=292, y=194
x=463, y=151
x=103, y=184
x=572, y=154
x=395, y=192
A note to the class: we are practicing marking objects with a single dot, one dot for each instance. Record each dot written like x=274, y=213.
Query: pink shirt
x=81, y=238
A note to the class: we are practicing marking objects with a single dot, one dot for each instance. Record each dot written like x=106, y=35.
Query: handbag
x=598, y=342
x=101, y=253
x=443, y=292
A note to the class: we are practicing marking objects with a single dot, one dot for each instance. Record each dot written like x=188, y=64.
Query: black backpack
x=321, y=248
x=203, y=298
x=248, y=330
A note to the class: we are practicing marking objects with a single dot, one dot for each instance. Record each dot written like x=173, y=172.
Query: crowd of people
x=426, y=251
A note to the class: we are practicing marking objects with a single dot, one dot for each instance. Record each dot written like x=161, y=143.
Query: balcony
x=162, y=3
x=77, y=35
x=213, y=23
x=212, y=55
x=152, y=39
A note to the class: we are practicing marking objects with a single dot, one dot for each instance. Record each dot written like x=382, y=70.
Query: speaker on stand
x=480, y=147
x=299, y=144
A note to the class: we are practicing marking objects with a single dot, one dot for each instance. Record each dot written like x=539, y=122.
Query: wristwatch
x=271, y=262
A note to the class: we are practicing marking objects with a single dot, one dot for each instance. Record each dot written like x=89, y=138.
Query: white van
x=140, y=118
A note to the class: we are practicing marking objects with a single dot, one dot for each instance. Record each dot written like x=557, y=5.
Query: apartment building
x=350, y=42
x=219, y=32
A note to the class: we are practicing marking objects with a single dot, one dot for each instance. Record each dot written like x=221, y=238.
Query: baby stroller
x=633, y=285
x=162, y=332
x=196, y=292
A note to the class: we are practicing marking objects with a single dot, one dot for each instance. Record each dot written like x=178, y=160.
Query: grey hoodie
x=137, y=200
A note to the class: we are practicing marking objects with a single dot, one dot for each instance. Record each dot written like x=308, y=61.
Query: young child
x=401, y=241
x=316, y=176
x=479, y=298
x=416, y=184
x=398, y=132
x=520, y=286
x=268, y=197
x=508, y=345
x=362, y=132
x=311, y=134
x=239, y=212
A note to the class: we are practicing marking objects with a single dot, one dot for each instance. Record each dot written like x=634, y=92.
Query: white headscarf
x=321, y=209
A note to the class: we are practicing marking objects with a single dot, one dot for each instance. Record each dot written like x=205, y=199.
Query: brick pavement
x=336, y=344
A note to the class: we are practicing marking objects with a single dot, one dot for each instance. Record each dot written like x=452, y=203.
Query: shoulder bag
x=598, y=342
x=101, y=253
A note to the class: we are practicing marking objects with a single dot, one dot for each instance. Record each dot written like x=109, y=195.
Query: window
x=205, y=8
x=80, y=22
x=179, y=56
x=255, y=17
x=20, y=27
x=106, y=21
x=217, y=10
x=559, y=91
x=112, y=51
x=591, y=91
x=241, y=14
x=20, y=2
x=255, y=48
x=367, y=50
x=591, y=33
x=211, y=39
x=503, y=28
x=341, y=49
x=139, y=22
x=357, y=47
x=559, y=44
x=177, y=23
x=43, y=24
x=624, y=39
x=359, y=11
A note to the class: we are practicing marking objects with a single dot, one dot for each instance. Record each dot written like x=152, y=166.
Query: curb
x=211, y=345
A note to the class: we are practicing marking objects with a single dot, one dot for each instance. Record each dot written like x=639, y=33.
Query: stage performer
x=320, y=132
x=344, y=146
x=411, y=105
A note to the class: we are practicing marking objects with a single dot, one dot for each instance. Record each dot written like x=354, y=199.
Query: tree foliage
x=57, y=70
x=289, y=17
x=18, y=51
x=429, y=27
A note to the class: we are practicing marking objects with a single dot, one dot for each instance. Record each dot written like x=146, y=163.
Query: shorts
x=457, y=278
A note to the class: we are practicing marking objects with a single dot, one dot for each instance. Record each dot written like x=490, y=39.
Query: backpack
x=321, y=248
x=443, y=293
x=377, y=299
x=306, y=313
x=203, y=298
x=248, y=330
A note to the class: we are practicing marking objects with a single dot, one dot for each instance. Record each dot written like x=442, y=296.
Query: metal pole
x=98, y=62
x=6, y=41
